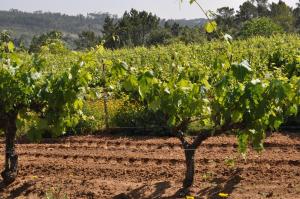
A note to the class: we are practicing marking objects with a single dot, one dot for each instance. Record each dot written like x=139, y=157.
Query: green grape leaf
x=130, y=84
x=78, y=104
x=236, y=116
x=277, y=122
x=10, y=46
x=155, y=104
x=172, y=121
x=292, y=110
x=142, y=92
x=119, y=69
x=210, y=26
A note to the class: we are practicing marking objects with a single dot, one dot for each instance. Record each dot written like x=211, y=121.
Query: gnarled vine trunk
x=11, y=159
x=190, y=167
x=189, y=152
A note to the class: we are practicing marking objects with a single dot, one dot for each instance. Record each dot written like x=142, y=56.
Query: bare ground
x=148, y=167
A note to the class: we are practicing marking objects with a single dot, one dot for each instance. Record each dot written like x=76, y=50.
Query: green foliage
x=44, y=39
x=260, y=26
x=5, y=36
x=146, y=122
x=159, y=36
x=282, y=14
x=256, y=104
x=247, y=11
x=94, y=120
x=87, y=40
x=247, y=85
x=132, y=29
x=41, y=84
x=192, y=36
x=296, y=13
x=225, y=18
x=220, y=88
x=210, y=27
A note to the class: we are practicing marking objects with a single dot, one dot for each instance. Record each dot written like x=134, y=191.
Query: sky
x=168, y=9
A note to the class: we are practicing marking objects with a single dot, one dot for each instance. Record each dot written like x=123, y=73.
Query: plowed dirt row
x=145, y=167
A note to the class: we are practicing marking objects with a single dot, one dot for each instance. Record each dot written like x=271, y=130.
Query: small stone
x=269, y=195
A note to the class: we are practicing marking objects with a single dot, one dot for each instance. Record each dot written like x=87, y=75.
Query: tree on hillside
x=175, y=29
x=39, y=41
x=282, y=14
x=110, y=33
x=159, y=36
x=259, y=27
x=247, y=11
x=167, y=25
x=192, y=35
x=5, y=36
x=296, y=13
x=262, y=8
x=86, y=40
x=225, y=18
x=133, y=29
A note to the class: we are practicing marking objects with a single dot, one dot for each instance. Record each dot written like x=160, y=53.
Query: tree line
x=259, y=17
x=141, y=28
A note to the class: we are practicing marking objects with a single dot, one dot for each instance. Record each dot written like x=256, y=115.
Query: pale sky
x=162, y=8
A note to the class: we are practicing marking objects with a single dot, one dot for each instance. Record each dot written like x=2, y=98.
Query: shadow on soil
x=221, y=185
x=160, y=189
x=20, y=190
x=144, y=191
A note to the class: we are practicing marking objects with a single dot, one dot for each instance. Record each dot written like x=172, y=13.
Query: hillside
x=25, y=25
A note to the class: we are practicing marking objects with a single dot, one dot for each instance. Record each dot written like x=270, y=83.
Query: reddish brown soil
x=119, y=167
